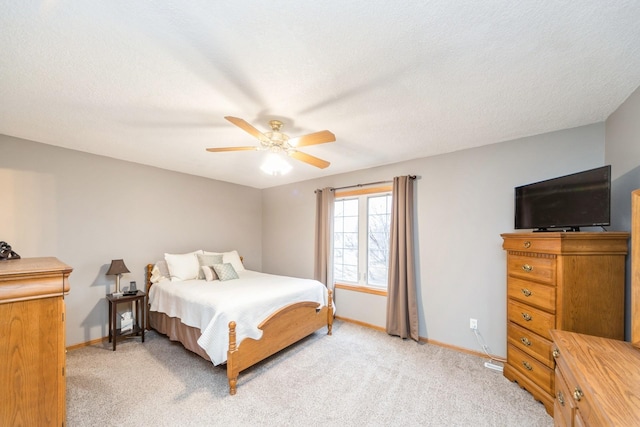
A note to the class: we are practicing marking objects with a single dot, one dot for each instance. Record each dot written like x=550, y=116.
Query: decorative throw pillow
x=209, y=273
x=183, y=266
x=225, y=271
x=208, y=260
x=231, y=257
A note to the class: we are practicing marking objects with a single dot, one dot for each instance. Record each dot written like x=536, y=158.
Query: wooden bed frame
x=281, y=329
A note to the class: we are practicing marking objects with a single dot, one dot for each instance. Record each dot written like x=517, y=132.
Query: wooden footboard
x=283, y=328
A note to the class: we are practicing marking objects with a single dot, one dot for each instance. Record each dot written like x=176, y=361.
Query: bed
x=240, y=320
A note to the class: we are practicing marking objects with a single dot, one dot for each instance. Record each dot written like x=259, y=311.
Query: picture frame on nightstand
x=133, y=290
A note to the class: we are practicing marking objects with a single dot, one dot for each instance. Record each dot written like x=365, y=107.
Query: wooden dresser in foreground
x=597, y=381
x=32, y=341
x=572, y=281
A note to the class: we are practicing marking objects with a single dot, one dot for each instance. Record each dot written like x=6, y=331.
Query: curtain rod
x=369, y=183
x=362, y=185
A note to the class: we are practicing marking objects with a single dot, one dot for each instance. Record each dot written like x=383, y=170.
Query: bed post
x=147, y=286
x=232, y=364
x=148, y=269
x=330, y=312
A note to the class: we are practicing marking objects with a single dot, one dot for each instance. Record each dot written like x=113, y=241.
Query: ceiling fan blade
x=307, y=158
x=242, y=124
x=221, y=149
x=321, y=137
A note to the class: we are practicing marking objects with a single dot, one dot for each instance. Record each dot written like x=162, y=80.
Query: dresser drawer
x=536, y=244
x=531, y=343
x=563, y=408
x=532, y=293
x=538, y=268
x=535, y=371
x=581, y=402
x=531, y=318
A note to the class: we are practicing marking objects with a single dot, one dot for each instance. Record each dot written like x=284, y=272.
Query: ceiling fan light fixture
x=264, y=144
x=275, y=165
x=277, y=138
x=278, y=143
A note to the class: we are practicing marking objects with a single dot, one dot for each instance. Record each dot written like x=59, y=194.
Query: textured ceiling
x=150, y=81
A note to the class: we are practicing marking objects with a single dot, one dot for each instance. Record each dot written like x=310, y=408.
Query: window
x=361, y=231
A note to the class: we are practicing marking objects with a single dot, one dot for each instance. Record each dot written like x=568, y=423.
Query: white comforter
x=210, y=306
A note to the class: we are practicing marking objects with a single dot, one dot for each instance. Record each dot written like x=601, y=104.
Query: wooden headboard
x=148, y=283
x=635, y=268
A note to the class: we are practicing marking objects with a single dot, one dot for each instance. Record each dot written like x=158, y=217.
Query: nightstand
x=138, y=306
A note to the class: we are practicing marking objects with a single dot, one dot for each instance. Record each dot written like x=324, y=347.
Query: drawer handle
x=560, y=398
x=528, y=367
x=527, y=244
x=525, y=341
x=528, y=268
x=526, y=292
x=556, y=353
x=527, y=317
x=577, y=394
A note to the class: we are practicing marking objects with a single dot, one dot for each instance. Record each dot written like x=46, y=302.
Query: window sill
x=363, y=289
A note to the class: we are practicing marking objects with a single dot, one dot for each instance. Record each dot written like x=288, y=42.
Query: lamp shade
x=117, y=267
x=276, y=165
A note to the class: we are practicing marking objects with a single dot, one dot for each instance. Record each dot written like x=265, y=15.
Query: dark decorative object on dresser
x=6, y=252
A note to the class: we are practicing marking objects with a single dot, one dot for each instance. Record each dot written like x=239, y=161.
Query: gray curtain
x=402, y=304
x=323, y=264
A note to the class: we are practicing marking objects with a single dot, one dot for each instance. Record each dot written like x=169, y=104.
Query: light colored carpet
x=355, y=377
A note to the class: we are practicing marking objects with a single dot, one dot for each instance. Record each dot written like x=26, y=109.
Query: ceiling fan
x=276, y=141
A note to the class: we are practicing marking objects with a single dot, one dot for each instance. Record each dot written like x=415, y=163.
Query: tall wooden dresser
x=32, y=341
x=572, y=281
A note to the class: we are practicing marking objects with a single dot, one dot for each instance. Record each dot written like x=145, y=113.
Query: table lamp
x=117, y=268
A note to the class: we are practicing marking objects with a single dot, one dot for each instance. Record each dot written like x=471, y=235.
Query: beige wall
x=464, y=202
x=87, y=210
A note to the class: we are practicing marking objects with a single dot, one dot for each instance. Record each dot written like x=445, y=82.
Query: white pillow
x=234, y=259
x=160, y=272
x=163, y=268
x=183, y=266
x=230, y=257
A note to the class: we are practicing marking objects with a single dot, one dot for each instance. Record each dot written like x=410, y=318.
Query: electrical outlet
x=473, y=323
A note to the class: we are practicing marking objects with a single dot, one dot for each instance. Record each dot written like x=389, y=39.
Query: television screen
x=581, y=199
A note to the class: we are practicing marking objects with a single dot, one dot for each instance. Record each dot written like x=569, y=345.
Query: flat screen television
x=568, y=202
